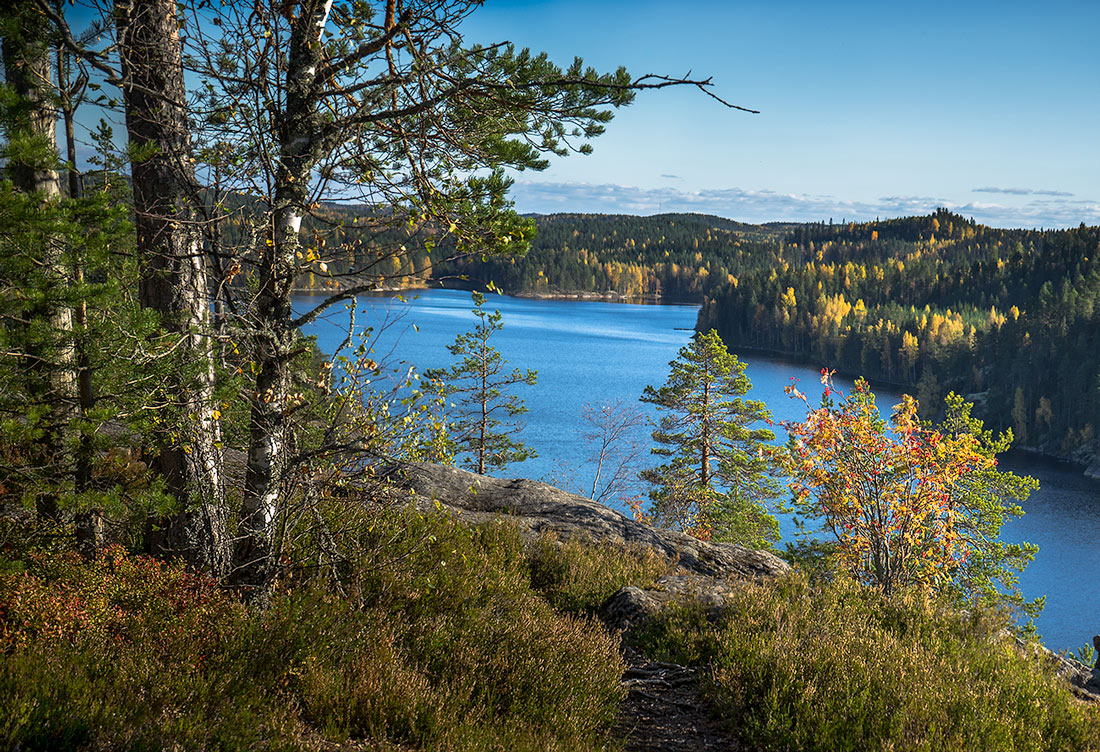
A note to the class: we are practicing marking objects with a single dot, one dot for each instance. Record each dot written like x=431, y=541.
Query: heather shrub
x=577, y=577
x=117, y=598
x=838, y=666
x=435, y=641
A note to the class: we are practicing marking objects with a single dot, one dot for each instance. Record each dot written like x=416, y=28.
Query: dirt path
x=663, y=710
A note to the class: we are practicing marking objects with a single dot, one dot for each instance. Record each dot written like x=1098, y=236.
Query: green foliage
x=987, y=498
x=479, y=384
x=578, y=577
x=437, y=642
x=909, y=504
x=837, y=666
x=941, y=302
x=676, y=256
x=110, y=340
x=434, y=176
x=1086, y=654
x=715, y=480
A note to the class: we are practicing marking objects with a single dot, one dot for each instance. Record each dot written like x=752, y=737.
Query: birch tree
x=384, y=104
x=610, y=432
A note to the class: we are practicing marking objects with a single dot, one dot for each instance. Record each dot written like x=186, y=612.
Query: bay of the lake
x=589, y=352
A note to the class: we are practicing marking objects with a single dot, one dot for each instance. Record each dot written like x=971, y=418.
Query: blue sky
x=867, y=109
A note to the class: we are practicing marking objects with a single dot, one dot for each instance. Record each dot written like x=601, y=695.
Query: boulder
x=539, y=507
x=631, y=607
x=1093, y=469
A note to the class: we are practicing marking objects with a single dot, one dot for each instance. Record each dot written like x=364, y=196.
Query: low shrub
x=124, y=652
x=577, y=577
x=437, y=642
x=837, y=666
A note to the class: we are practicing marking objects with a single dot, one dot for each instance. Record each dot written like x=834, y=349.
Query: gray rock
x=539, y=507
x=1093, y=470
x=632, y=607
x=1083, y=680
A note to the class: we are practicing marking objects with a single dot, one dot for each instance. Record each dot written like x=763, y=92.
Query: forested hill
x=939, y=303
x=931, y=303
x=677, y=256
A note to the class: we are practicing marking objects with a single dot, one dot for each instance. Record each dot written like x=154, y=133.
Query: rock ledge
x=539, y=507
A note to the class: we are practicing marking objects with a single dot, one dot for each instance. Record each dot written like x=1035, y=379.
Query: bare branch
x=93, y=58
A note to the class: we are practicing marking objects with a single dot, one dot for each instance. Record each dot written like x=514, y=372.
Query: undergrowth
x=836, y=666
x=444, y=637
x=438, y=641
x=578, y=576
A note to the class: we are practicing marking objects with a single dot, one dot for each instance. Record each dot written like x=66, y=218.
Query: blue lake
x=590, y=352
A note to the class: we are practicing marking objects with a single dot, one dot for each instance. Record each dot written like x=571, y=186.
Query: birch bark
x=275, y=336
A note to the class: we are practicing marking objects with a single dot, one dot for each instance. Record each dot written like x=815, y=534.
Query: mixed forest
x=206, y=538
x=933, y=304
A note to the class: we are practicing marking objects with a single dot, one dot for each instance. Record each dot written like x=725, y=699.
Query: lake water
x=590, y=352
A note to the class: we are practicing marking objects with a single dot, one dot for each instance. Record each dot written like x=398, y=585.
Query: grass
x=836, y=667
x=438, y=642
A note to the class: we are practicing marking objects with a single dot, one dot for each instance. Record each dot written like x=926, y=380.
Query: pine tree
x=715, y=482
x=54, y=451
x=479, y=386
x=30, y=162
x=174, y=274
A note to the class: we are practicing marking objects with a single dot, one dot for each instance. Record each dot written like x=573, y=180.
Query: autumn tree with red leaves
x=909, y=503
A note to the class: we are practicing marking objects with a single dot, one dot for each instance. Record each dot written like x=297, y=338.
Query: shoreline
x=583, y=295
x=1084, y=460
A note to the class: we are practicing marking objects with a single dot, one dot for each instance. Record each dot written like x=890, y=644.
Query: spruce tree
x=714, y=482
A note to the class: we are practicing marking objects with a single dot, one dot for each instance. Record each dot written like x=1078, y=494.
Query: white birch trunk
x=275, y=337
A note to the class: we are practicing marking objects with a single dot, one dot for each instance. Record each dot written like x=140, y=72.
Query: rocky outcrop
x=632, y=607
x=1084, y=680
x=707, y=572
x=539, y=507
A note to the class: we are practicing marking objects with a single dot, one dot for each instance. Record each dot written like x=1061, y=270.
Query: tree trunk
x=704, y=448
x=275, y=337
x=174, y=274
x=89, y=523
x=27, y=68
x=483, y=423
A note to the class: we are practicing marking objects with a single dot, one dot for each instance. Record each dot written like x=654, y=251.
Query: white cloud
x=1020, y=191
x=771, y=206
